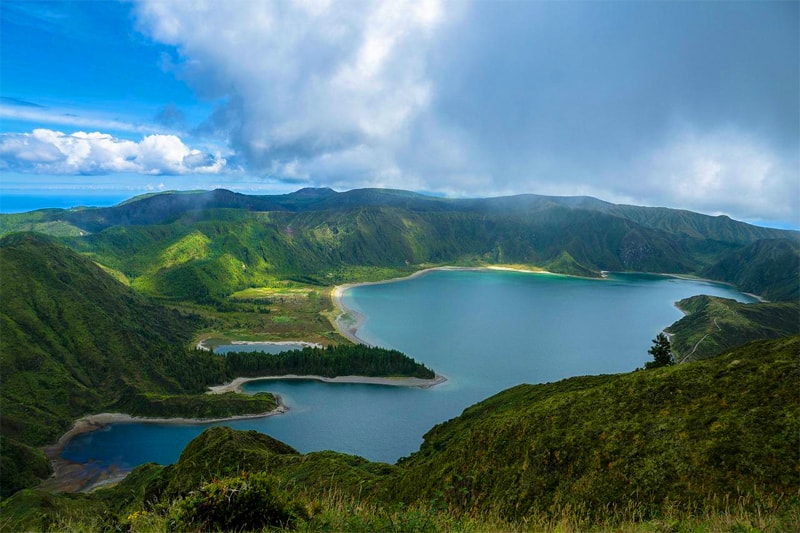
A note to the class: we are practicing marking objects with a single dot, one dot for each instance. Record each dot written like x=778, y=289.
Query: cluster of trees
x=332, y=361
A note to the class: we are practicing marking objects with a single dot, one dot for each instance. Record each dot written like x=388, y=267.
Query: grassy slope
x=687, y=442
x=713, y=325
x=768, y=267
x=674, y=436
x=75, y=341
x=73, y=337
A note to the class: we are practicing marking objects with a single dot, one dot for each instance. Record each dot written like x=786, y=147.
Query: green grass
x=289, y=290
x=713, y=325
x=336, y=512
x=674, y=436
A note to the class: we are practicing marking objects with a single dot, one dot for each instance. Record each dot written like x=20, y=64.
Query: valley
x=103, y=310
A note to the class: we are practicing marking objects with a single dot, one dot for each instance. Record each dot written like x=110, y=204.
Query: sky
x=690, y=105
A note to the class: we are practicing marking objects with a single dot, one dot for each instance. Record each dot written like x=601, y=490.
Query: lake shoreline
x=759, y=299
x=348, y=321
x=400, y=381
x=69, y=476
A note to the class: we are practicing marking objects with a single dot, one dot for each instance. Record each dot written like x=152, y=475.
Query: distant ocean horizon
x=22, y=202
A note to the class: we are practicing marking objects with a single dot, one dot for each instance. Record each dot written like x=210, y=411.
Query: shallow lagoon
x=484, y=331
x=266, y=347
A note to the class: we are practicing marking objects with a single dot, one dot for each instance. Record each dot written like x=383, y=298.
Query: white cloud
x=724, y=171
x=304, y=79
x=70, y=118
x=46, y=151
x=498, y=98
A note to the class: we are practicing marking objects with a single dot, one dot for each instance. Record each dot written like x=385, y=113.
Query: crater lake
x=485, y=331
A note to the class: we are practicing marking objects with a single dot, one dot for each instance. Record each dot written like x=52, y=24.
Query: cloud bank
x=46, y=151
x=689, y=105
x=305, y=82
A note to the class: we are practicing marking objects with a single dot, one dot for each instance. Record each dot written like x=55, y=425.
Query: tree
x=661, y=352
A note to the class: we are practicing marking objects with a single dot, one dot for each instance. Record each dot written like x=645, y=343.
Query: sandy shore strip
x=236, y=384
x=75, y=477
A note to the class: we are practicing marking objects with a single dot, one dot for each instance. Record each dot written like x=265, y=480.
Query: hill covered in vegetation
x=709, y=445
x=713, y=325
x=682, y=435
x=203, y=246
x=768, y=267
x=75, y=341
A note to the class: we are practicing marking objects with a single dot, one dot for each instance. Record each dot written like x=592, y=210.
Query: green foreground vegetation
x=710, y=445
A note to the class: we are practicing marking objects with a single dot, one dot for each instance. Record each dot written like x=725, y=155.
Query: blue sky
x=691, y=105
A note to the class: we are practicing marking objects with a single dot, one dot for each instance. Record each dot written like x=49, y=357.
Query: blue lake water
x=484, y=331
x=266, y=347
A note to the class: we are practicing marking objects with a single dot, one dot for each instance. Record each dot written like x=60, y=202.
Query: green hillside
x=713, y=325
x=212, y=254
x=706, y=446
x=679, y=436
x=75, y=341
x=202, y=246
x=766, y=267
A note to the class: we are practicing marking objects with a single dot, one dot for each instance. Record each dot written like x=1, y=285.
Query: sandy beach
x=236, y=384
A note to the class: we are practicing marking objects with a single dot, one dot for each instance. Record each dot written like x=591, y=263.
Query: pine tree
x=661, y=352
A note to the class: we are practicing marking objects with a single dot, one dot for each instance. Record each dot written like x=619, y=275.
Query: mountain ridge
x=205, y=245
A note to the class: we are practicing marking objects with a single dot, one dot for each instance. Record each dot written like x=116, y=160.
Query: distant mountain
x=768, y=267
x=714, y=325
x=206, y=245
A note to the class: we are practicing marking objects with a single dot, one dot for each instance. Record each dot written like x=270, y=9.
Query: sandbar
x=400, y=381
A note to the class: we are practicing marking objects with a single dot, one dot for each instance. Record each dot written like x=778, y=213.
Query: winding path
x=686, y=357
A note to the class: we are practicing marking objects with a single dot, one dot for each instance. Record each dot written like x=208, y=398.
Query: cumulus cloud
x=302, y=79
x=53, y=152
x=689, y=105
x=724, y=171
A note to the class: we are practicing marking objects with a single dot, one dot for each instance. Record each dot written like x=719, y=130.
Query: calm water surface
x=266, y=347
x=484, y=331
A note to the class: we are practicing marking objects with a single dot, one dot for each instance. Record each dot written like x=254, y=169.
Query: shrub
x=240, y=503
